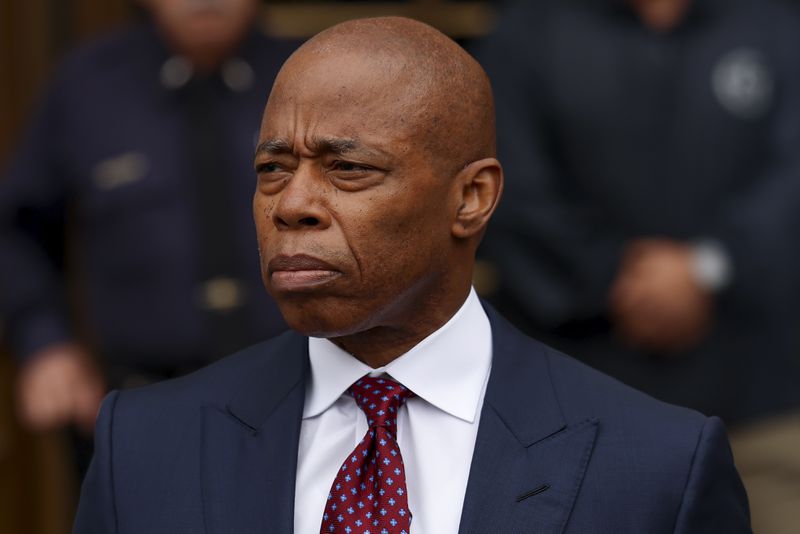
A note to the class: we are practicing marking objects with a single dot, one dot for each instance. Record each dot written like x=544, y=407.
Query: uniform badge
x=743, y=83
x=120, y=170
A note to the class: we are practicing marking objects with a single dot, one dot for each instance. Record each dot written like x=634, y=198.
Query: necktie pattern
x=368, y=495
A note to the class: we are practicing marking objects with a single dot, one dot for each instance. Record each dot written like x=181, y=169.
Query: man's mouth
x=298, y=272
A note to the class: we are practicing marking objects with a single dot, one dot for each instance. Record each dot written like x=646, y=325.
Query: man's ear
x=480, y=184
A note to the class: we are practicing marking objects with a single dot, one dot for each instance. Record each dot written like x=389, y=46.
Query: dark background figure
x=652, y=214
x=143, y=149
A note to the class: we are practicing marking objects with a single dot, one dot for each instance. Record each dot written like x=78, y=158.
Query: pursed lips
x=300, y=271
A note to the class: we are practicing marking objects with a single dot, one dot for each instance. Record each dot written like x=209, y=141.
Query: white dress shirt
x=436, y=429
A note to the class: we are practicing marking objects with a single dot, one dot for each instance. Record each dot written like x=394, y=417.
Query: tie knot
x=380, y=398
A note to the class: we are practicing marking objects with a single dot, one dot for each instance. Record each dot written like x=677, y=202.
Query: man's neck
x=661, y=16
x=381, y=345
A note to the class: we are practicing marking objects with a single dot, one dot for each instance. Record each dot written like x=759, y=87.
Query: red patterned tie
x=368, y=495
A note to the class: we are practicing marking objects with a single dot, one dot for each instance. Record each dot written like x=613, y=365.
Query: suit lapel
x=528, y=464
x=526, y=470
x=250, y=446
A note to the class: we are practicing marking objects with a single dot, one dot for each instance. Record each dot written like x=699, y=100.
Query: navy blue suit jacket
x=560, y=448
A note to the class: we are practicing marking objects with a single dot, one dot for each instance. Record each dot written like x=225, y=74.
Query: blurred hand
x=57, y=387
x=656, y=302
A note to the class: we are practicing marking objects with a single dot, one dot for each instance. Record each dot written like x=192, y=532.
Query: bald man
x=399, y=403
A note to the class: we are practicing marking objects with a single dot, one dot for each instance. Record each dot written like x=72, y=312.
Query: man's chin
x=327, y=323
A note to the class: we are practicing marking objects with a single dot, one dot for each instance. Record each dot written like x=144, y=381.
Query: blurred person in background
x=652, y=219
x=125, y=234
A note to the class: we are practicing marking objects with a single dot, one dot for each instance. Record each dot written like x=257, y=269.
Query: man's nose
x=301, y=203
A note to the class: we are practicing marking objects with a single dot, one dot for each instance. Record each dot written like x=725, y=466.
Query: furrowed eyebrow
x=319, y=145
x=274, y=146
x=335, y=145
x=341, y=146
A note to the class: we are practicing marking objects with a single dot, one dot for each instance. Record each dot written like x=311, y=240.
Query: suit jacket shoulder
x=560, y=448
x=564, y=448
x=172, y=456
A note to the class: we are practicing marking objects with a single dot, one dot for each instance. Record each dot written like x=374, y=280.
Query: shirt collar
x=448, y=368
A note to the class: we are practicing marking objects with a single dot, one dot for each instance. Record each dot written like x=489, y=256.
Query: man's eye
x=268, y=167
x=352, y=176
x=348, y=166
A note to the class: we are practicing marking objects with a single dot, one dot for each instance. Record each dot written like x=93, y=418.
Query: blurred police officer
x=142, y=146
x=652, y=217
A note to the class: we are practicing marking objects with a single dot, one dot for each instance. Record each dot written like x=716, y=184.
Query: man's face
x=354, y=223
x=196, y=24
